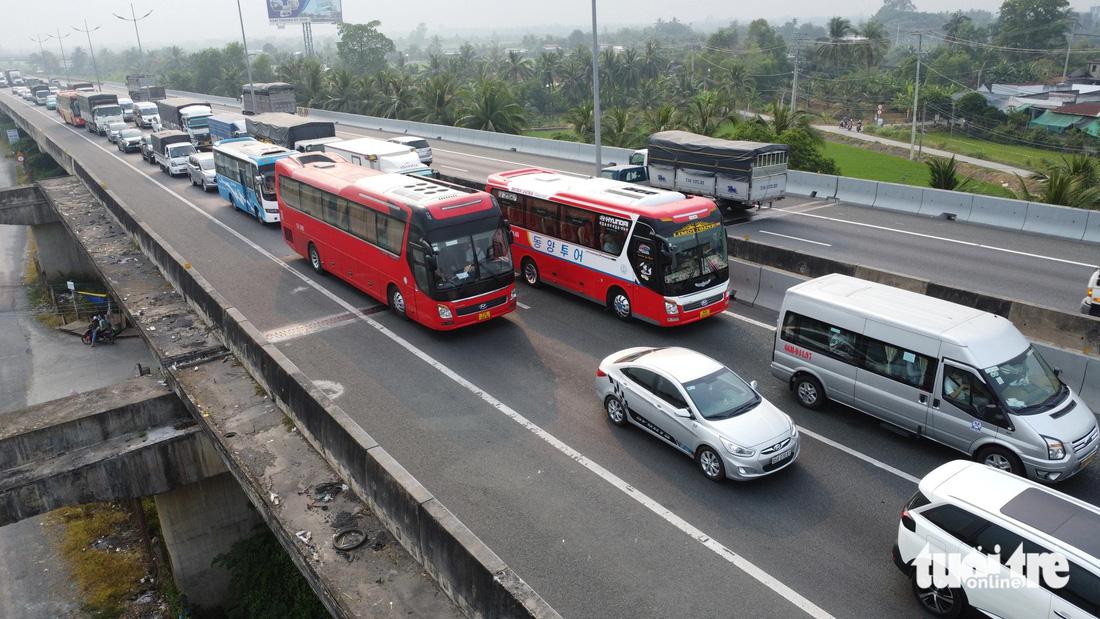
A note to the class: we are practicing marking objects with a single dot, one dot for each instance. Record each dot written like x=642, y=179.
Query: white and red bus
x=66, y=101
x=656, y=255
x=435, y=252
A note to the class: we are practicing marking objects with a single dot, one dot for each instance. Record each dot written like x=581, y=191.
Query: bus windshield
x=1025, y=383
x=697, y=255
x=469, y=252
x=267, y=181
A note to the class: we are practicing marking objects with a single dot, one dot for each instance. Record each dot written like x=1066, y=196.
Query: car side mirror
x=683, y=412
x=752, y=384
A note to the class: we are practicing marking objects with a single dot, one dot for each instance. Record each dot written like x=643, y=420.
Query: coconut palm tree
x=394, y=94
x=437, y=101
x=491, y=106
x=871, y=48
x=661, y=118
x=620, y=128
x=581, y=120
x=833, y=49
x=943, y=174
x=548, y=68
x=515, y=68
x=1061, y=186
x=342, y=92
x=704, y=112
x=784, y=118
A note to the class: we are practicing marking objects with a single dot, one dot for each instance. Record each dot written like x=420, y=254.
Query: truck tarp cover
x=287, y=129
x=269, y=88
x=701, y=153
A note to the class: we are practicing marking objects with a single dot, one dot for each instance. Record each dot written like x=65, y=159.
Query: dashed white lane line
x=708, y=542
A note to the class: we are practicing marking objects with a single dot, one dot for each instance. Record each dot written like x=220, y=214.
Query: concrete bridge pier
x=200, y=521
x=58, y=252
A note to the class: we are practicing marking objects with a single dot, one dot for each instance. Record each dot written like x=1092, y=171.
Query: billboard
x=281, y=12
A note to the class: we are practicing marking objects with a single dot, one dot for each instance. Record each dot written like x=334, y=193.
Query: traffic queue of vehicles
x=446, y=256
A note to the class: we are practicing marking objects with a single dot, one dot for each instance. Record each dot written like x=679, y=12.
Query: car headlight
x=1055, y=449
x=444, y=312
x=794, y=428
x=737, y=450
x=671, y=308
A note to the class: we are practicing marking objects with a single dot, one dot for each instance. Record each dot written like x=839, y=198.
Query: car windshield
x=697, y=255
x=470, y=252
x=117, y=126
x=147, y=109
x=130, y=133
x=1025, y=383
x=721, y=395
x=207, y=163
x=197, y=123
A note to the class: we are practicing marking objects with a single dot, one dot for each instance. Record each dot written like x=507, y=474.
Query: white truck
x=99, y=109
x=380, y=155
x=171, y=148
x=187, y=115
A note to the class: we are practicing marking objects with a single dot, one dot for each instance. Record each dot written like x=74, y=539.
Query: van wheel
x=620, y=304
x=810, y=392
x=945, y=603
x=531, y=273
x=710, y=463
x=397, y=302
x=315, y=260
x=1000, y=458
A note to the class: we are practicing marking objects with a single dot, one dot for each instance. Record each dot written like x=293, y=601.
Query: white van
x=957, y=375
x=380, y=155
x=979, y=519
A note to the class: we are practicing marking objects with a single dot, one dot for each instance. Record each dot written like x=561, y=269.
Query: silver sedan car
x=701, y=408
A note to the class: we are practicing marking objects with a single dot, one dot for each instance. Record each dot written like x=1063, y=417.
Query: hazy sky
x=196, y=23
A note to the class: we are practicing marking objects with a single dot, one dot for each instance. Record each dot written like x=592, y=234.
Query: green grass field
x=858, y=162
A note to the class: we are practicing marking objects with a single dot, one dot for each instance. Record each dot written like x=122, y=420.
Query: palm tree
x=548, y=68
x=620, y=128
x=872, y=48
x=783, y=118
x=491, y=106
x=832, y=49
x=342, y=92
x=661, y=118
x=1061, y=186
x=704, y=112
x=582, y=121
x=177, y=58
x=953, y=26
x=654, y=63
x=437, y=101
x=736, y=82
x=516, y=68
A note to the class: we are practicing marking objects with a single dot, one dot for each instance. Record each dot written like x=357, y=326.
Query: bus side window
x=361, y=222
x=544, y=217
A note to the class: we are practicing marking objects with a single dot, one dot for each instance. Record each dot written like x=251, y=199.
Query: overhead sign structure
x=282, y=12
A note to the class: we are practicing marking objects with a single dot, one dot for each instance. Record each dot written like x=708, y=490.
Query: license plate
x=483, y=316
x=704, y=313
x=1086, y=460
x=781, y=457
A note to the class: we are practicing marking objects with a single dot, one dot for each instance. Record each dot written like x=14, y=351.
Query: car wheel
x=315, y=260
x=619, y=303
x=616, y=411
x=710, y=463
x=397, y=302
x=809, y=391
x=531, y=273
x=945, y=602
x=1000, y=458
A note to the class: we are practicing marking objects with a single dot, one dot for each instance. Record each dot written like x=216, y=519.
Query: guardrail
x=1035, y=217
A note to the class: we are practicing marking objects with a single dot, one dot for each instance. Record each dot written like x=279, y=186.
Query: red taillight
x=907, y=521
x=600, y=373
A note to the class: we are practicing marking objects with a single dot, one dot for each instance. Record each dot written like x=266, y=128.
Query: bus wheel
x=397, y=302
x=620, y=304
x=531, y=273
x=315, y=259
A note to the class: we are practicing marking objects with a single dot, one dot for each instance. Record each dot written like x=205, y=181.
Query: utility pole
x=64, y=61
x=92, y=50
x=596, y=88
x=134, y=18
x=1069, y=46
x=41, y=52
x=799, y=36
x=247, y=61
x=916, y=99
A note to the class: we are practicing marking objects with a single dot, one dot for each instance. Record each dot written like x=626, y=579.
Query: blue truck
x=226, y=127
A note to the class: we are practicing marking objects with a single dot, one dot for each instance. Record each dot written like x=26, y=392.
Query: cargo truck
x=153, y=93
x=136, y=81
x=735, y=174
x=40, y=92
x=226, y=127
x=380, y=155
x=98, y=109
x=187, y=115
x=290, y=131
x=272, y=97
x=14, y=78
x=79, y=85
x=170, y=151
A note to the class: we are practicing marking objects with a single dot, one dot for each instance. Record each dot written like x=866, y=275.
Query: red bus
x=68, y=108
x=435, y=252
x=648, y=253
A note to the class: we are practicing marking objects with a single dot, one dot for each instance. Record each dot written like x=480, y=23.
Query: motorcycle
x=105, y=337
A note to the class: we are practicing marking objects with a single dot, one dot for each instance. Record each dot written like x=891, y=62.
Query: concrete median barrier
x=856, y=191
x=1092, y=228
x=744, y=281
x=937, y=202
x=998, y=212
x=897, y=197
x=1061, y=221
x=820, y=186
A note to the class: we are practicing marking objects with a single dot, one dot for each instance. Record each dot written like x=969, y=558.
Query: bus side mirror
x=432, y=262
x=508, y=231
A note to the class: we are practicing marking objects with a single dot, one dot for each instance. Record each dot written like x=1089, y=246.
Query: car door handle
x=923, y=398
x=1061, y=614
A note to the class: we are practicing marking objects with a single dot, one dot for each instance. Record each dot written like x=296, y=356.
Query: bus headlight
x=512, y=296
x=671, y=308
x=444, y=312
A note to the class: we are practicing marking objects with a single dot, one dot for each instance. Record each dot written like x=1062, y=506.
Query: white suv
x=981, y=537
x=420, y=145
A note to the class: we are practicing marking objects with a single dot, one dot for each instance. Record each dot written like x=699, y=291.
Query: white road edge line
x=735, y=559
x=828, y=441
x=795, y=238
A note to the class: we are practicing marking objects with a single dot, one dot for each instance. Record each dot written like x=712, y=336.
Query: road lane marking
x=828, y=441
x=707, y=541
x=795, y=238
x=933, y=237
x=524, y=306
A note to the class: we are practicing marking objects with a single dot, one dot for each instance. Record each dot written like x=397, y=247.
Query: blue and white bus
x=246, y=176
